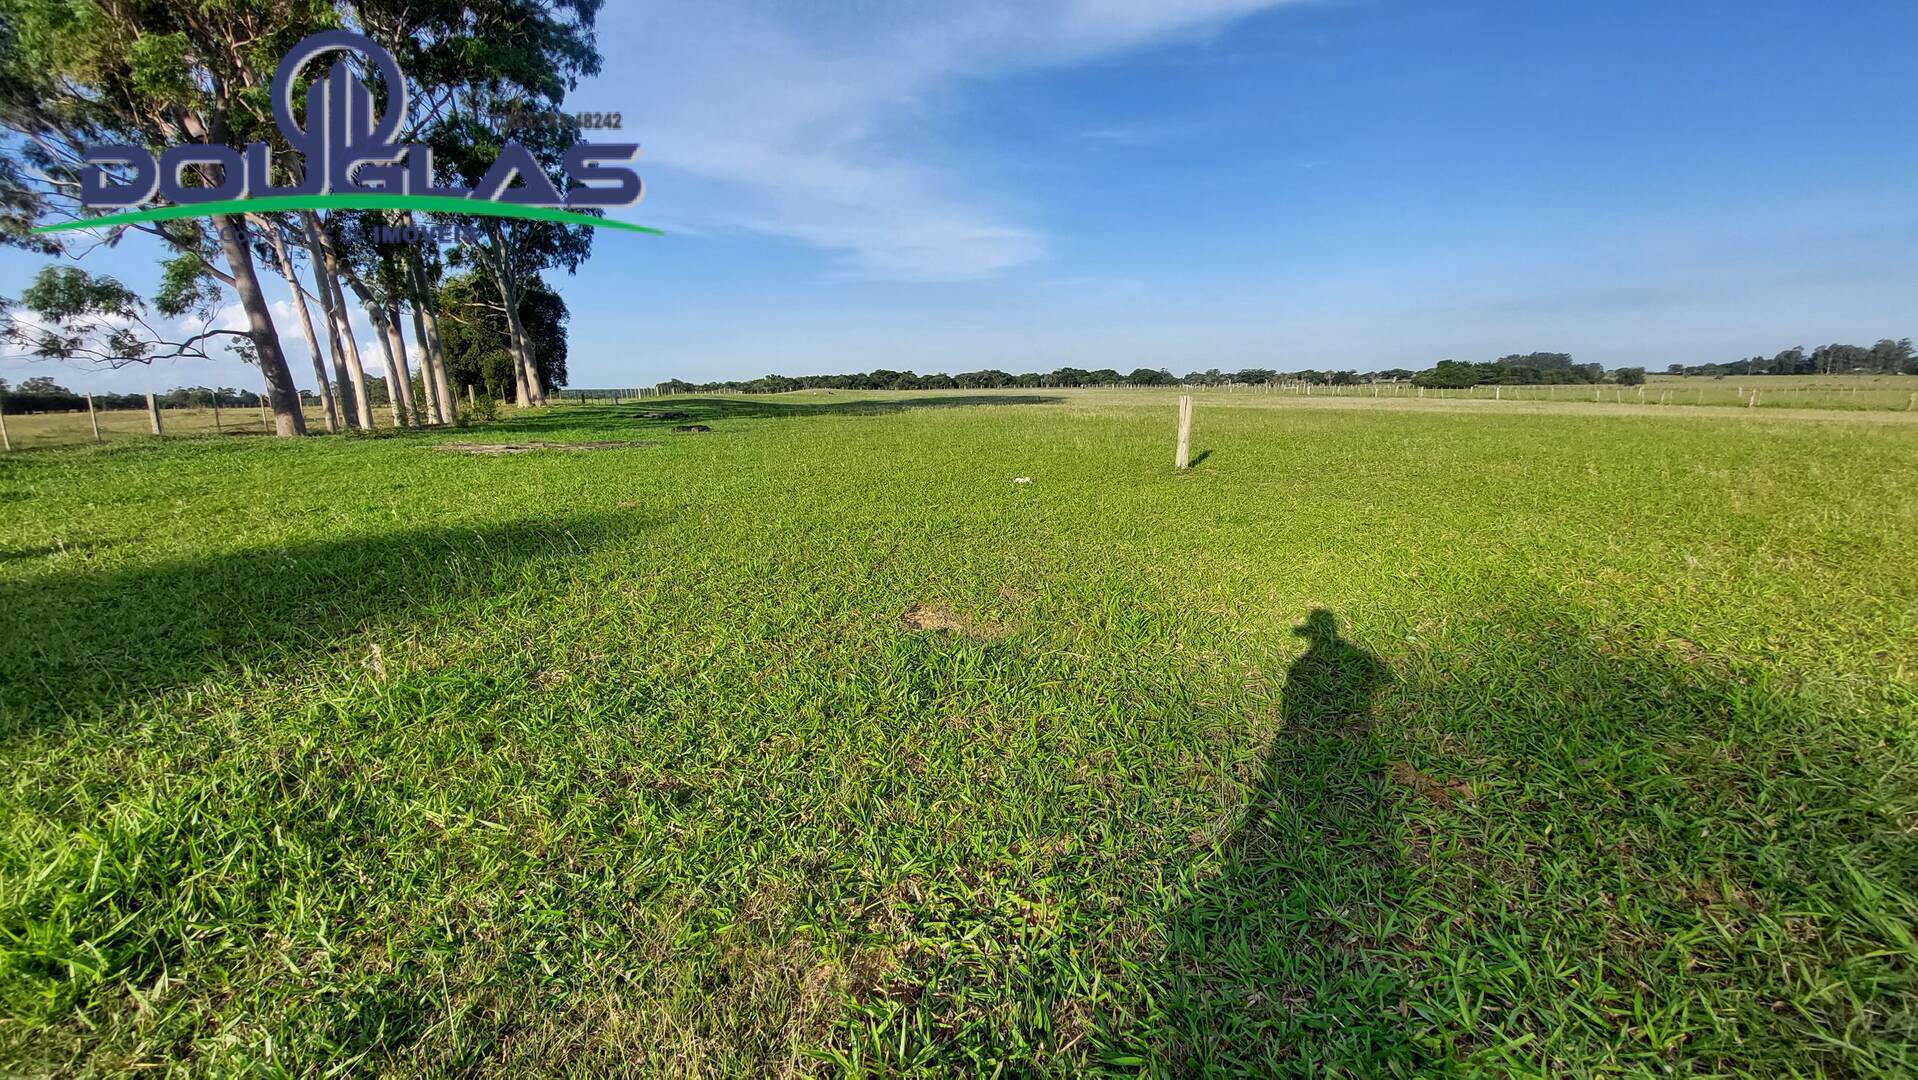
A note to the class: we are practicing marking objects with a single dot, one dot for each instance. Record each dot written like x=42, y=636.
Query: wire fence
x=27, y=431
x=1897, y=393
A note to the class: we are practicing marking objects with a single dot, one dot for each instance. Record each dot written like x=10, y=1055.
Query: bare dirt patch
x=496, y=449
x=1443, y=793
x=937, y=616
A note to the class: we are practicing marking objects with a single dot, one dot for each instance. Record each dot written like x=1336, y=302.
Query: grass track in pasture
x=350, y=753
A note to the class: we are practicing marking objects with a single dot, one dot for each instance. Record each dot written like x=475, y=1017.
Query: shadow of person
x=1267, y=967
x=1325, y=723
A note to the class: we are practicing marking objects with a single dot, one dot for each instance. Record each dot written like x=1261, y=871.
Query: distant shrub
x=1449, y=374
x=483, y=408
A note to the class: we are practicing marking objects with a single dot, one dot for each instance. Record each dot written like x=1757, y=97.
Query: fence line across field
x=206, y=417
x=1891, y=393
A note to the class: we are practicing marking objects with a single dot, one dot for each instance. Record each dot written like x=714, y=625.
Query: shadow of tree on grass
x=88, y=640
x=707, y=410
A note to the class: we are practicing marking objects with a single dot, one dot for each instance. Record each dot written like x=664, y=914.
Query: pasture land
x=1497, y=738
x=1871, y=393
x=1895, y=392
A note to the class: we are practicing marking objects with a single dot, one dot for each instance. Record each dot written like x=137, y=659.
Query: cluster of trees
x=1262, y=376
x=163, y=74
x=1520, y=369
x=1888, y=357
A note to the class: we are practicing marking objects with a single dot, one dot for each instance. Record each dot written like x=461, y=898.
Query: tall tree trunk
x=288, y=418
x=436, y=353
x=355, y=370
x=396, y=344
x=525, y=374
x=395, y=399
x=399, y=382
x=349, y=416
x=327, y=403
x=522, y=393
x=432, y=352
x=427, y=379
x=351, y=382
x=429, y=389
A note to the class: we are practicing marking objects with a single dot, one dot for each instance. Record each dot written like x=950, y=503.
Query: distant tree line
x=1530, y=368
x=1517, y=369
x=994, y=379
x=42, y=394
x=1888, y=357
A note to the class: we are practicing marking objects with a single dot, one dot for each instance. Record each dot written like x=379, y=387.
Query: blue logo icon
x=346, y=146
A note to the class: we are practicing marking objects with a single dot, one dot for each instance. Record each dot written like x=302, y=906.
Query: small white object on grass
x=1022, y=479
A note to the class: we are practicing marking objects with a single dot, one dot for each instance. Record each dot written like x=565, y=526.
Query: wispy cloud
x=820, y=122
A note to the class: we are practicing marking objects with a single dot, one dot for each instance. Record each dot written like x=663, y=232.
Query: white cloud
x=231, y=317
x=816, y=122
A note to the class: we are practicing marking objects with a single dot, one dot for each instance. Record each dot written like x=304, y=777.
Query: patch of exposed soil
x=496, y=449
x=940, y=617
x=1404, y=775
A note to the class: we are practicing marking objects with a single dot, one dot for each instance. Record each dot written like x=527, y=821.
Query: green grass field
x=1868, y=393
x=1445, y=737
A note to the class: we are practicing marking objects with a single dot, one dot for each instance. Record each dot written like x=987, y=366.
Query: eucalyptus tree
x=475, y=323
x=362, y=269
x=326, y=274
x=426, y=330
x=152, y=74
x=399, y=379
x=490, y=63
x=273, y=229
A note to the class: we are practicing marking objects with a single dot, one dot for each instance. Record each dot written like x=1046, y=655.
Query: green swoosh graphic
x=438, y=204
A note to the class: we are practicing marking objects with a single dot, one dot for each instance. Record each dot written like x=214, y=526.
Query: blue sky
x=1028, y=184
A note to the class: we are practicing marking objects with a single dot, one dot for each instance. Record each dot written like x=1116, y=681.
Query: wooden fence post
x=6, y=440
x=153, y=413
x=215, y=398
x=1183, y=459
x=94, y=417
